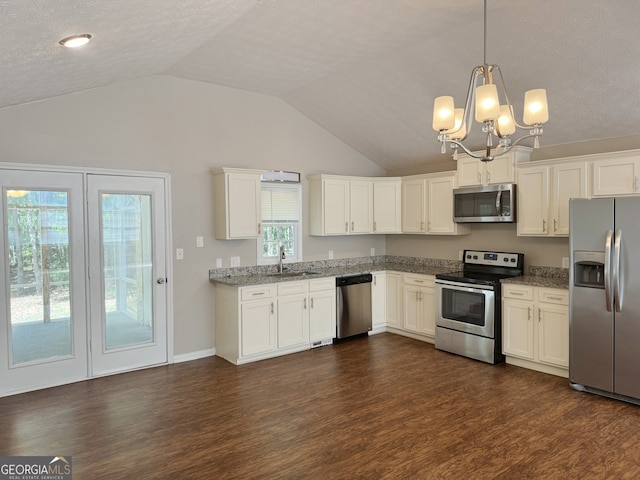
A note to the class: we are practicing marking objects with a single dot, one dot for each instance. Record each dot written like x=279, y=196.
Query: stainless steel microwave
x=493, y=203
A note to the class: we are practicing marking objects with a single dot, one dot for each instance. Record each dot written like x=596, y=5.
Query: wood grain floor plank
x=383, y=407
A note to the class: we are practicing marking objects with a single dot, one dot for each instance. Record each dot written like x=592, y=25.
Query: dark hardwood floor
x=379, y=407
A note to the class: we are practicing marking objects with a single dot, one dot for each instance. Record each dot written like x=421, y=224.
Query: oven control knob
x=513, y=260
x=506, y=259
x=469, y=256
x=475, y=257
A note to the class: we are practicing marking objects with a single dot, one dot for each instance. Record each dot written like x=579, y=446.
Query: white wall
x=186, y=128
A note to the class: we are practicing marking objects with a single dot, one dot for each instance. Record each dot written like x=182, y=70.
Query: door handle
x=305, y=303
x=311, y=300
x=617, y=280
x=161, y=281
x=607, y=269
x=271, y=308
x=528, y=313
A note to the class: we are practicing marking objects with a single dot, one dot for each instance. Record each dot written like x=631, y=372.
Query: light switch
x=199, y=241
x=218, y=263
x=179, y=253
x=235, y=261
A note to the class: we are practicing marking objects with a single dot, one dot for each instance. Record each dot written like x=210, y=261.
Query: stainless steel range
x=468, y=305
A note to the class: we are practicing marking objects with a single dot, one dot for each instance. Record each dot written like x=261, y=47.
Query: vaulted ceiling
x=366, y=70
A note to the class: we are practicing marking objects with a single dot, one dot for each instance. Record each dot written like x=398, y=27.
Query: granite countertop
x=261, y=276
x=539, y=281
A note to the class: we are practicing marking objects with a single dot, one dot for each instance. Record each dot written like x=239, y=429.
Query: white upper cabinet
x=616, y=174
x=544, y=190
x=427, y=205
x=387, y=205
x=340, y=205
x=237, y=197
x=472, y=171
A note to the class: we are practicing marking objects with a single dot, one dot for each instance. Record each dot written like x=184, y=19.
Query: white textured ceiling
x=366, y=70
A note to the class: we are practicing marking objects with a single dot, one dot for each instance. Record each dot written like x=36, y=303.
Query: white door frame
x=167, y=240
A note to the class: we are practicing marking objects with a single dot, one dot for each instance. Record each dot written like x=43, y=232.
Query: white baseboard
x=187, y=357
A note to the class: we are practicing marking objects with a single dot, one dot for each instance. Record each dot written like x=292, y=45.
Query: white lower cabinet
x=393, y=282
x=418, y=307
x=535, y=328
x=378, y=302
x=263, y=321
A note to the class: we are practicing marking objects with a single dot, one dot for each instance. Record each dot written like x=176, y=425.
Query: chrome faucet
x=282, y=257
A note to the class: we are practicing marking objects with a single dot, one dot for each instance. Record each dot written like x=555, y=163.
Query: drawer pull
x=517, y=293
x=257, y=293
x=552, y=297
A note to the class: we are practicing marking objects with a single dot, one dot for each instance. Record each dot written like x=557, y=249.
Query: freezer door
x=627, y=319
x=590, y=324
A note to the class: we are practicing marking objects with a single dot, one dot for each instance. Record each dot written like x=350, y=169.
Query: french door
x=127, y=273
x=43, y=319
x=82, y=276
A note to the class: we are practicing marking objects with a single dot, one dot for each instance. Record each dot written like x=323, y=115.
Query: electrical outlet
x=199, y=241
x=218, y=263
x=373, y=251
x=565, y=262
x=235, y=261
x=330, y=254
x=179, y=253
x=460, y=254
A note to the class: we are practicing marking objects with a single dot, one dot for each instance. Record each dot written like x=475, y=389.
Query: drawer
x=321, y=284
x=257, y=292
x=293, y=288
x=553, y=295
x=419, y=280
x=521, y=292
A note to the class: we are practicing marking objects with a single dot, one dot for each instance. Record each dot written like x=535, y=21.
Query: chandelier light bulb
x=536, y=110
x=443, y=113
x=459, y=130
x=487, y=103
x=75, y=41
x=506, y=124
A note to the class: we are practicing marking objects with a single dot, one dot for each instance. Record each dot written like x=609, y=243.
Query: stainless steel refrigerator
x=604, y=295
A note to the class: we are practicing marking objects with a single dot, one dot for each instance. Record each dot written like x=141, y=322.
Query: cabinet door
x=244, y=205
x=469, y=171
x=499, y=170
x=412, y=308
x=394, y=299
x=517, y=328
x=440, y=206
x=335, y=208
x=553, y=334
x=413, y=206
x=387, y=206
x=257, y=327
x=361, y=206
x=533, y=203
x=569, y=181
x=322, y=316
x=379, y=300
x=615, y=177
x=428, y=304
x=293, y=321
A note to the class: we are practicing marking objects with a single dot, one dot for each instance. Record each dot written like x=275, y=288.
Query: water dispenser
x=588, y=269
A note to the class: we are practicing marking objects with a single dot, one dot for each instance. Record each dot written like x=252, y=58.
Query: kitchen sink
x=291, y=274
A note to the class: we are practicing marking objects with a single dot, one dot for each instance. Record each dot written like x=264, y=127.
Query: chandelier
x=497, y=119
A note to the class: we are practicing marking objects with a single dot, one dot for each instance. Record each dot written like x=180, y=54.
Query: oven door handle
x=467, y=287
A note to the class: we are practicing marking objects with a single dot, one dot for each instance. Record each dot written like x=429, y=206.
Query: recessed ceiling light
x=75, y=41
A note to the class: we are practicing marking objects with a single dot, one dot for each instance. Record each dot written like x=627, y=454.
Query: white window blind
x=280, y=203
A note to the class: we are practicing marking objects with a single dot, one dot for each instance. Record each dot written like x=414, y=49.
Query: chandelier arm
x=466, y=117
x=466, y=150
x=506, y=97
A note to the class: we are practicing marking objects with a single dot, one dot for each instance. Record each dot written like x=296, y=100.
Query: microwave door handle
x=607, y=269
x=498, y=198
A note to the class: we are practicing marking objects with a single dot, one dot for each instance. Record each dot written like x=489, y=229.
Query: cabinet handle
x=479, y=177
x=528, y=313
x=635, y=184
x=311, y=300
x=554, y=298
x=257, y=293
x=374, y=226
x=488, y=177
x=417, y=297
x=555, y=225
x=539, y=314
x=544, y=226
x=375, y=281
x=421, y=226
x=305, y=303
x=420, y=296
x=352, y=226
x=259, y=228
x=271, y=308
x=346, y=226
x=517, y=294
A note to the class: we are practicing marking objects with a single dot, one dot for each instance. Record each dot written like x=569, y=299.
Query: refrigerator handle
x=617, y=277
x=607, y=269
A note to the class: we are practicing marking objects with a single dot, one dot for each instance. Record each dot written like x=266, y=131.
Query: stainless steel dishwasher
x=353, y=295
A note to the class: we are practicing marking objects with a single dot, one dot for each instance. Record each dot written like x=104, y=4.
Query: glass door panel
x=127, y=258
x=127, y=271
x=43, y=323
